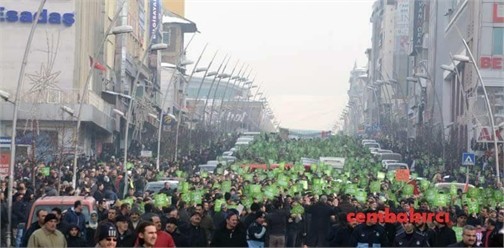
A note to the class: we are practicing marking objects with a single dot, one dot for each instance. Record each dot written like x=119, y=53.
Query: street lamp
x=220, y=76
x=150, y=48
x=224, y=62
x=238, y=78
x=4, y=95
x=470, y=59
x=111, y=30
x=68, y=110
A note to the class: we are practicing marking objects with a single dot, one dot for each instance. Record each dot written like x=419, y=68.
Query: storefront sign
x=13, y=16
x=491, y=62
x=485, y=135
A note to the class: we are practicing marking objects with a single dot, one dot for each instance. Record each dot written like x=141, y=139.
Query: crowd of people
x=294, y=216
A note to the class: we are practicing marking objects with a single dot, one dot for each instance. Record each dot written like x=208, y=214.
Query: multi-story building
x=464, y=111
x=68, y=36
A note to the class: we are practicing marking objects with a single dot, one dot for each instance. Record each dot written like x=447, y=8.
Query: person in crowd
x=91, y=227
x=251, y=216
x=468, y=237
x=321, y=214
x=163, y=238
x=230, y=233
x=3, y=216
x=147, y=235
x=134, y=218
x=295, y=224
x=111, y=216
x=206, y=221
x=410, y=238
x=73, y=237
x=369, y=234
x=444, y=235
x=62, y=225
x=74, y=216
x=422, y=228
x=180, y=239
x=41, y=214
x=340, y=232
x=47, y=235
x=125, y=210
x=125, y=236
x=106, y=236
x=277, y=224
x=256, y=232
x=197, y=235
x=102, y=209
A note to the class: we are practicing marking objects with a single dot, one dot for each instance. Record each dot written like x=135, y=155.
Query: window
x=498, y=41
x=167, y=37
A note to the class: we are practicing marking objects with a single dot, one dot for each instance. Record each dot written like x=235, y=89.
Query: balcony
x=45, y=106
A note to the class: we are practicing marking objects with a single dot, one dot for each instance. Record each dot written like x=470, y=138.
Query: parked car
x=445, y=187
x=372, y=145
x=63, y=202
x=336, y=162
x=389, y=156
x=156, y=186
x=396, y=166
x=368, y=141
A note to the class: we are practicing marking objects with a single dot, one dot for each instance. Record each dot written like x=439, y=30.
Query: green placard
x=226, y=186
x=375, y=187
x=458, y=232
x=380, y=175
x=46, y=171
x=218, y=204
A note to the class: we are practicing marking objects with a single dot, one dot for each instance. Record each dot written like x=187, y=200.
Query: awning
x=186, y=25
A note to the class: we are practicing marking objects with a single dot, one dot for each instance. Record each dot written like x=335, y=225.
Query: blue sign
x=468, y=158
x=12, y=16
x=156, y=18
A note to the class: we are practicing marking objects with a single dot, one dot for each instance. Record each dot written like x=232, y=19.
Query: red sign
x=485, y=135
x=491, y=62
x=402, y=175
x=498, y=13
x=4, y=164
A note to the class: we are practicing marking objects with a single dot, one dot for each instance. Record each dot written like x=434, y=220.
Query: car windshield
x=85, y=210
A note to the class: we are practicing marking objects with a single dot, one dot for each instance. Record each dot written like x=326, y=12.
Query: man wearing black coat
x=197, y=235
x=444, y=236
x=180, y=239
x=231, y=233
x=41, y=214
x=320, y=224
x=468, y=237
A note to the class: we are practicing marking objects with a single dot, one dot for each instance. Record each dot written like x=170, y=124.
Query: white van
x=336, y=162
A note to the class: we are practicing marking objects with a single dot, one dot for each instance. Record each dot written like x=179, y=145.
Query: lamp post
x=150, y=47
x=227, y=86
x=160, y=124
x=110, y=30
x=237, y=79
x=14, y=123
x=212, y=108
x=207, y=73
x=218, y=75
x=471, y=60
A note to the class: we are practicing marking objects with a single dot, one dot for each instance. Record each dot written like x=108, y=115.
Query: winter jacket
x=181, y=240
x=33, y=227
x=414, y=239
x=197, y=236
x=127, y=239
x=444, y=236
x=72, y=217
x=368, y=236
x=224, y=237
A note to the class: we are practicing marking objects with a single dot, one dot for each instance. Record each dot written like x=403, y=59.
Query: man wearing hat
x=180, y=239
x=106, y=236
x=197, y=235
x=126, y=237
x=257, y=230
x=48, y=235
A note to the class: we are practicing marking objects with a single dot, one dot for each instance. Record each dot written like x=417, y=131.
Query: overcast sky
x=301, y=52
